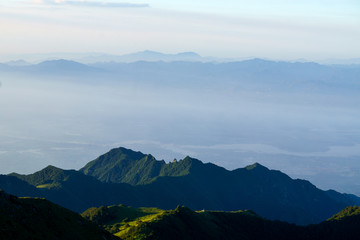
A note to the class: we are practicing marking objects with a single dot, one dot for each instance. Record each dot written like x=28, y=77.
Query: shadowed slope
x=28, y=218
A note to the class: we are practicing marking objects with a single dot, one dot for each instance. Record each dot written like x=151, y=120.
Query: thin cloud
x=66, y=148
x=93, y=4
x=193, y=150
x=32, y=151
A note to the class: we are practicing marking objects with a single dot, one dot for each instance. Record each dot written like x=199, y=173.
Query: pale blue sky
x=276, y=29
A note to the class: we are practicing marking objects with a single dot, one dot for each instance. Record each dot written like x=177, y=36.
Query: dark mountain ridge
x=135, y=179
x=29, y=218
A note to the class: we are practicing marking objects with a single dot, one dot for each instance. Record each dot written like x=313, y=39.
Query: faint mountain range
x=63, y=65
x=136, y=179
x=146, y=55
x=253, y=75
x=49, y=67
x=149, y=56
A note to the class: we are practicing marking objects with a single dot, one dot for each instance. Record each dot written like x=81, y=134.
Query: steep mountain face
x=271, y=194
x=122, y=165
x=30, y=218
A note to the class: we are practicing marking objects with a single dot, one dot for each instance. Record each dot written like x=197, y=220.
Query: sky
x=278, y=29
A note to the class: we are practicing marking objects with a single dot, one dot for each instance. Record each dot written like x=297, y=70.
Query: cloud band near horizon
x=93, y=4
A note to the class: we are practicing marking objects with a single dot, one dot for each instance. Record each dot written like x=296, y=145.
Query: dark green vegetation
x=29, y=218
x=122, y=176
x=122, y=165
x=183, y=223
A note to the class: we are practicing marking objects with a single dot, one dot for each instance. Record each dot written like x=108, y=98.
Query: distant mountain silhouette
x=57, y=67
x=63, y=65
x=249, y=75
x=188, y=182
x=147, y=55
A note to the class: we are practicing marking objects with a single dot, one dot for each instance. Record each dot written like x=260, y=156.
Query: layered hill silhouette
x=123, y=176
x=29, y=218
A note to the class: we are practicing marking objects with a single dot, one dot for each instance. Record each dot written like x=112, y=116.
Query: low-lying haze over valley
x=300, y=118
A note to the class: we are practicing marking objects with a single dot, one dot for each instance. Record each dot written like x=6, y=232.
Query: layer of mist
x=300, y=118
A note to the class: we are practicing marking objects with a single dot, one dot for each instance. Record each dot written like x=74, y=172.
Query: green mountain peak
x=121, y=165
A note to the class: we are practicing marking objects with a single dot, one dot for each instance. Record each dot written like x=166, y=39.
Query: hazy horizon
x=230, y=29
x=300, y=118
x=145, y=55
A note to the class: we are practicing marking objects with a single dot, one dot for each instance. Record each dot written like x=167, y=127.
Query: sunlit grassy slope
x=118, y=218
x=182, y=223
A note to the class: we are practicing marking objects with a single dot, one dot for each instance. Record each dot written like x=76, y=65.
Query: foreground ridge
x=29, y=218
x=183, y=223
